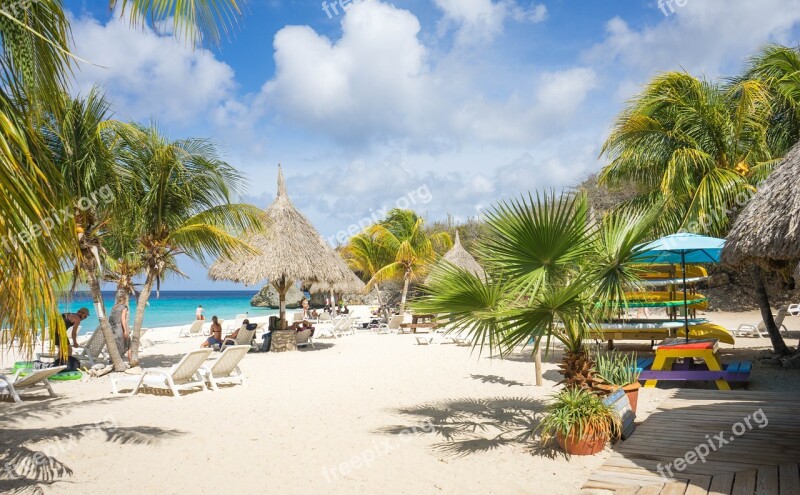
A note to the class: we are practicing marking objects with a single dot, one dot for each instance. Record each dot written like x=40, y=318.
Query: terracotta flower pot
x=632, y=391
x=590, y=444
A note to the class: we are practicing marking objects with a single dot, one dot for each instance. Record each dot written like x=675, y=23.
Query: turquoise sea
x=173, y=307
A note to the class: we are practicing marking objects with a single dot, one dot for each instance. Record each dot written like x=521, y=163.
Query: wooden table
x=420, y=321
x=669, y=350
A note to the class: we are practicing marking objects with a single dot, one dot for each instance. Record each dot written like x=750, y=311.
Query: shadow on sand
x=25, y=469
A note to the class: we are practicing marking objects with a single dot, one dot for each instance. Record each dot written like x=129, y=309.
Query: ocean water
x=172, y=308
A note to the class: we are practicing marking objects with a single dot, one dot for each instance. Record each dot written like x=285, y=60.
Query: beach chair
x=760, y=329
x=182, y=376
x=193, y=330
x=90, y=353
x=793, y=309
x=392, y=326
x=34, y=380
x=297, y=316
x=304, y=338
x=226, y=368
x=244, y=337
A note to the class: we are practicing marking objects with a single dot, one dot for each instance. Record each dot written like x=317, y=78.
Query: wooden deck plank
x=684, y=421
x=674, y=488
x=744, y=483
x=789, y=476
x=721, y=484
x=767, y=481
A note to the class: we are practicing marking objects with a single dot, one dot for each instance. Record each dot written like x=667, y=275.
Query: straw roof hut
x=767, y=234
x=290, y=249
x=461, y=258
x=768, y=229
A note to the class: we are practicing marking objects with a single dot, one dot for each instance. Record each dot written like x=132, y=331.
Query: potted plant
x=615, y=369
x=579, y=421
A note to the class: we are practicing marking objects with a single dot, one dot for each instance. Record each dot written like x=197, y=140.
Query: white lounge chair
x=304, y=338
x=90, y=353
x=193, y=330
x=226, y=368
x=34, y=380
x=760, y=329
x=182, y=376
x=794, y=309
x=244, y=337
x=393, y=325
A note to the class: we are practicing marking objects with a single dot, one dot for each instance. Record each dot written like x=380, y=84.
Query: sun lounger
x=182, y=376
x=89, y=354
x=226, y=368
x=193, y=330
x=34, y=380
x=793, y=309
x=760, y=329
x=244, y=337
x=304, y=338
x=392, y=326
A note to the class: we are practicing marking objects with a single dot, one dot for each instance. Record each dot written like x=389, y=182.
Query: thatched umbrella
x=289, y=250
x=767, y=234
x=461, y=258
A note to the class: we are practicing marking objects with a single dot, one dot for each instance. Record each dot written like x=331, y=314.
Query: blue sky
x=443, y=105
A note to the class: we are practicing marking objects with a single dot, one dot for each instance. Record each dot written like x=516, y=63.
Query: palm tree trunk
x=778, y=345
x=105, y=327
x=405, y=293
x=141, y=306
x=381, y=308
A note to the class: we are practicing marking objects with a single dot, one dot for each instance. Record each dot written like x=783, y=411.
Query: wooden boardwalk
x=760, y=460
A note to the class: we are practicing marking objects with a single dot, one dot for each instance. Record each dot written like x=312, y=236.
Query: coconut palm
x=550, y=272
x=366, y=257
x=79, y=138
x=778, y=69
x=179, y=194
x=695, y=146
x=410, y=250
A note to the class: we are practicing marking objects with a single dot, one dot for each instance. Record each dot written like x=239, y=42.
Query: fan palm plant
x=411, y=250
x=179, y=194
x=694, y=146
x=551, y=272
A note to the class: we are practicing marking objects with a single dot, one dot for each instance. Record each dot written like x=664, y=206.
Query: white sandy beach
x=324, y=420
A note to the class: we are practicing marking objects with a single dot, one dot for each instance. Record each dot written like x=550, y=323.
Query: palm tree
x=551, y=272
x=34, y=66
x=79, y=138
x=409, y=250
x=694, y=146
x=179, y=196
x=777, y=68
x=366, y=257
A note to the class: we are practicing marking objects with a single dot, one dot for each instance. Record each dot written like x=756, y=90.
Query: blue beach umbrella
x=681, y=248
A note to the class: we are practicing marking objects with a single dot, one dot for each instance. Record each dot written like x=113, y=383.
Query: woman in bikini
x=216, y=334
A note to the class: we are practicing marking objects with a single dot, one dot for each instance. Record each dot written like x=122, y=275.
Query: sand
x=362, y=414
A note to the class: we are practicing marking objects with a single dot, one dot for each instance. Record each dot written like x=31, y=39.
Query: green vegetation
x=579, y=413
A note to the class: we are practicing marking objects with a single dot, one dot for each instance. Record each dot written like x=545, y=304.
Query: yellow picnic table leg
x=659, y=364
x=714, y=365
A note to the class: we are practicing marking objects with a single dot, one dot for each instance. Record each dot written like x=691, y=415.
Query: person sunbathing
x=216, y=334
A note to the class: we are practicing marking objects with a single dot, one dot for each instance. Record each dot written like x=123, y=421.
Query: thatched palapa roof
x=768, y=229
x=291, y=249
x=461, y=258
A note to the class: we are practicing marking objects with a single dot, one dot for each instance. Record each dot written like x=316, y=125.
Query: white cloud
x=149, y=75
x=704, y=37
x=380, y=83
x=480, y=21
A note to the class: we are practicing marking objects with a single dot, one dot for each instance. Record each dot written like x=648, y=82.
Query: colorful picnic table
x=665, y=367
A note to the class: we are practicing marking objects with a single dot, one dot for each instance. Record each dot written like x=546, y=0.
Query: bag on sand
x=72, y=363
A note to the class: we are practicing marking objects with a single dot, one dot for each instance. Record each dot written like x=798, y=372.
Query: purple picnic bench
x=736, y=371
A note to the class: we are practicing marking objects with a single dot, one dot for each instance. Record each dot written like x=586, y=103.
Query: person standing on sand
x=198, y=314
x=73, y=321
x=118, y=319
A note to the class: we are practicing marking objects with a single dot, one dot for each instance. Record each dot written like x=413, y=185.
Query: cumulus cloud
x=479, y=21
x=380, y=83
x=146, y=74
x=707, y=38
